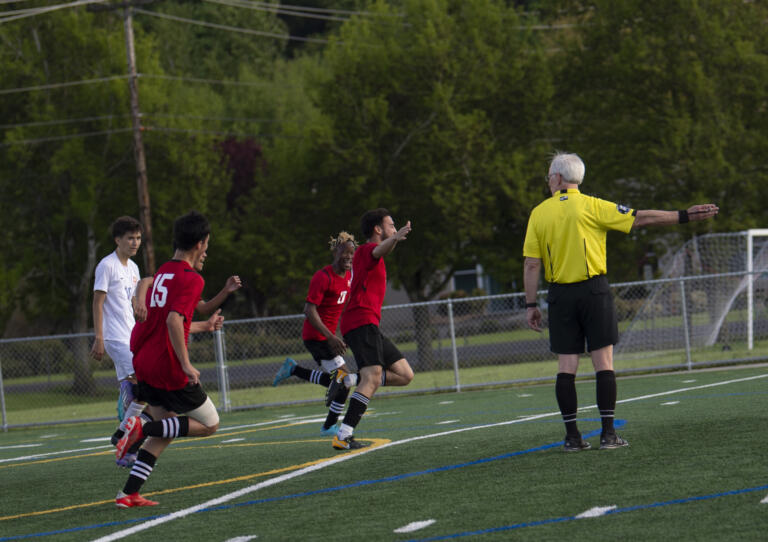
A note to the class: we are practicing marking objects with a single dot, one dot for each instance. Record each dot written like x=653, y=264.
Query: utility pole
x=145, y=215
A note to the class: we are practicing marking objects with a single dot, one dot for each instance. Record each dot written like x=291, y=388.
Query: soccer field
x=483, y=465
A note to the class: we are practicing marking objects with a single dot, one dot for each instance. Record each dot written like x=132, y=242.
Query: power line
x=63, y=85
x=143, y=116
x=64, y=137
x=277, y=9
x=6, y=17
x=140, y=76
x=227, y=27
x=210, y=81
x=327, y=10
x=217, y=119
x=61, y=121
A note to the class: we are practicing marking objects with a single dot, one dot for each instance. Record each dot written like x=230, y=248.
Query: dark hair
x=125, y=224
x=371, y=219
x=190, y=229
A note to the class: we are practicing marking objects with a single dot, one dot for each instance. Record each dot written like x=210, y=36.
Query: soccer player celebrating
x=379, y=361
x=167, y=380
x=117, y=303
x=328, y=293
x=566, y=235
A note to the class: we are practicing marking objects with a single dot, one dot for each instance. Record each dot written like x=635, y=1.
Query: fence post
x=2, y=399
x=454, y=353
x=684, y=305
x=218, y=344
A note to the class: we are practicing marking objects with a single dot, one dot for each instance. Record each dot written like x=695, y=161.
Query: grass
x=694, y=470
x=61, y=405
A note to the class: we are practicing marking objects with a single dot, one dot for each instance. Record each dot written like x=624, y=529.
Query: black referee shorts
x=579, y=312
x=370, y=347
x=180, y=401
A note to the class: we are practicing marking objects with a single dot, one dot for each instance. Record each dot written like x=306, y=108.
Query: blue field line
x=395, y=478
x=619, y=423
x=607, y=513
x=78, y=529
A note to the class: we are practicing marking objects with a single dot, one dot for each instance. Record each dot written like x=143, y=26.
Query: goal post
x=751, y=234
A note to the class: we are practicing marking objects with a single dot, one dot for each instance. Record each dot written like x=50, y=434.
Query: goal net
x=709, y=305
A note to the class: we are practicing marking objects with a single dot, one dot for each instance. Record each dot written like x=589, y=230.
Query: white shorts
x=122, y=358
x=205, y=414
x=330, y=365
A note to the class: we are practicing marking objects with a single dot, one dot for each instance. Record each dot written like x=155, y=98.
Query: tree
x=434, y=115
x=665, y=100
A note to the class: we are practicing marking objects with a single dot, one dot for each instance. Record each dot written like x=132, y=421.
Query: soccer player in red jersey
x=328, y=293
x=167, y=380
x=378, y=359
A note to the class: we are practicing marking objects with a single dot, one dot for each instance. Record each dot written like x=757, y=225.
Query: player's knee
x=407, y=373
x=210, y=430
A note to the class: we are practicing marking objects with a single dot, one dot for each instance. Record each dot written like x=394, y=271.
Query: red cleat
x=134, y=499
x=133, y=433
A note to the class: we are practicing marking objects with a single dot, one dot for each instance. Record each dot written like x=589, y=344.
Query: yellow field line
x=375, y=443
x=193, y=439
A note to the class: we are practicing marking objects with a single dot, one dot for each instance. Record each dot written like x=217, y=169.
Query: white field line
x=415, y=526
x=596, y=512
x=38, y=456
x=288, y=476
x=297, y=420
x=12, y=446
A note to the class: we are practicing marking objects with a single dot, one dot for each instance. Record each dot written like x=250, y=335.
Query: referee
x=566, y=233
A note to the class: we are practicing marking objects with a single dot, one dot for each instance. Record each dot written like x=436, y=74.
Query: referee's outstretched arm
x=664, y=218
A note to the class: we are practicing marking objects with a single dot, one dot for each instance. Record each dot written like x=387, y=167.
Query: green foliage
x=443, y=111
x=665, y=100
x=433, y=119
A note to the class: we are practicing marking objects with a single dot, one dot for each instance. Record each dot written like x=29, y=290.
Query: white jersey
x=119, y=282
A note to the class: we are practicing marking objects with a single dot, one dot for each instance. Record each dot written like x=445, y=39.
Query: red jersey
x=369, y=284
x=328, y=291
x=177, y=287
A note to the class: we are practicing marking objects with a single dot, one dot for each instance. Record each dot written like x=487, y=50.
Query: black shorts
x=581, y=311
x=320, y=350
x=370, y=347
x=180, y=401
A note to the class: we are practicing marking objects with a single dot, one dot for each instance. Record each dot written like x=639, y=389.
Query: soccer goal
x=711, y=297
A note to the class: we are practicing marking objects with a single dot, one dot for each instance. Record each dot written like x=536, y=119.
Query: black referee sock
x=140, y=471
x=357, y=407
x=177, y=426
x=565, y=391
x=314, y=376
x=606, y=398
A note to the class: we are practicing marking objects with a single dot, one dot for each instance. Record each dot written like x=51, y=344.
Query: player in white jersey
x=116, y=306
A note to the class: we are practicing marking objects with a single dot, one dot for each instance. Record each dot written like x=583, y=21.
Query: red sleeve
x=317, y=287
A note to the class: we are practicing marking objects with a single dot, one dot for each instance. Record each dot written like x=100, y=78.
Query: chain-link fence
x=455, y=343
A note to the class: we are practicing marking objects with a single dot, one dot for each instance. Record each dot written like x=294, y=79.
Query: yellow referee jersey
x=567, y=232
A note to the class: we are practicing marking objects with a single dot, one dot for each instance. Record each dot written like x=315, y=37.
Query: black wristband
x=682, y=217
x=531, y=305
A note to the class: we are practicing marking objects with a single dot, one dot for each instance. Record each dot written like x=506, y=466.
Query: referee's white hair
x=569, y=165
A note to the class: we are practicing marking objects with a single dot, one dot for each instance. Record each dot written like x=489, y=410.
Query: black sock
x=606, y=398
x=314, y=376
x=337, y=407
x=177, y=426
x=140, y=471
x=357, y=406
x=565, y=391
